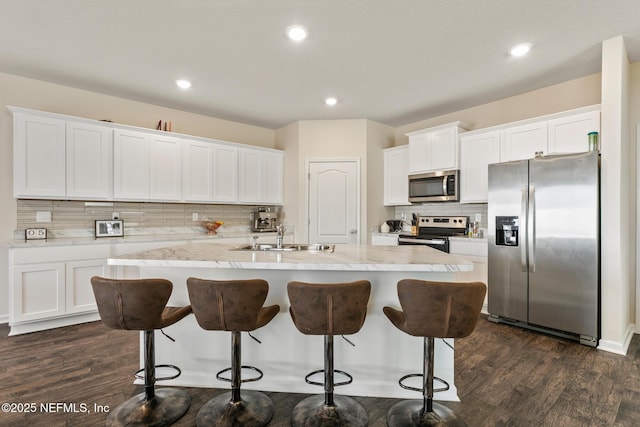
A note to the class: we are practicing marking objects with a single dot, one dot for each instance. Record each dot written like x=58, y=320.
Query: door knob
x=354, y=231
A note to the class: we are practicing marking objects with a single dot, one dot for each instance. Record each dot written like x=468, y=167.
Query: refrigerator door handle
x=523, y=231
x=531, y=228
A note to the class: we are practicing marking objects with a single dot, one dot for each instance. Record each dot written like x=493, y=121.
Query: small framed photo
x=109, y=228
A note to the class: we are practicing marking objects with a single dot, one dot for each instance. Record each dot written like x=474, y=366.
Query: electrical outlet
x=43, y=216
x=478, y=217
x=194, y=216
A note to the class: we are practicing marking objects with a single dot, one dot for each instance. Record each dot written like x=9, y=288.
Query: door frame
x=307, y=174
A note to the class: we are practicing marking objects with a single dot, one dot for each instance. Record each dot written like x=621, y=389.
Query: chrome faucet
x=254, y=243
x=279, y=236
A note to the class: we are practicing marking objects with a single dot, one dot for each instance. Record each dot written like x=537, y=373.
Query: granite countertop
x=344, y=258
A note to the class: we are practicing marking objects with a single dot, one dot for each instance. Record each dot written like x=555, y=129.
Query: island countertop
x=343, y=258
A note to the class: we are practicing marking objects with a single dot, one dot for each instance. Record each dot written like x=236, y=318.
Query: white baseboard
x=618, y=347
x=4, y=318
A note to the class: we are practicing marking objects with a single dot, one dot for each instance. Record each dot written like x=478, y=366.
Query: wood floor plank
x=506, y=376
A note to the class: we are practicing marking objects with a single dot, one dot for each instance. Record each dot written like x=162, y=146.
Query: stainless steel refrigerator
x=544, y=245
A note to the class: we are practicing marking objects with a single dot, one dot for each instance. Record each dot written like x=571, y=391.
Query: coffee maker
x=263, y=220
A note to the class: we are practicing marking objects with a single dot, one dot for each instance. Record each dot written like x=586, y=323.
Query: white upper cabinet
x=130, y=165
x=38, y=157
x=273, y=182
x=89, y=166
x=260, y=177
x=570, y=134
x=436, y=148
x=225, y=173
x=165, y=168
x=477, y=151
x=522, y=142
x=65, y=157
x=197, y=171
x=396, y=176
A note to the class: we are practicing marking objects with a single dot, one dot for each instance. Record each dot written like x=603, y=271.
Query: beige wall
x=334, y=139
x=38, y=95
x=552, y=99
x=618, y=207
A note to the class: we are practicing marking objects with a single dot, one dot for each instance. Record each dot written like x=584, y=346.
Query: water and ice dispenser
x=507, y=230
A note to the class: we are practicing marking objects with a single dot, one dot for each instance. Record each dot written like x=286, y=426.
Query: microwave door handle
x=444, y=186
x=531, y=229
x=523, y=229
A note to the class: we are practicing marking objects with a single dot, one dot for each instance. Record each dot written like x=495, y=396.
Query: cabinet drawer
x=58, y=253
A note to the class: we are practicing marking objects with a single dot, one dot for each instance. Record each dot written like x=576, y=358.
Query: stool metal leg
x=153, y=408
x=251, y=409
x=328, y=410
x=426, y=412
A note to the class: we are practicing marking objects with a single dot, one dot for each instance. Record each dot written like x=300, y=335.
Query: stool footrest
x=253, y=368
x=348, y=381
x=140, y=373
x=440, y=380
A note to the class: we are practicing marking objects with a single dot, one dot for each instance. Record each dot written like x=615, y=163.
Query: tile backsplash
x=77, y=215
x=451, y=209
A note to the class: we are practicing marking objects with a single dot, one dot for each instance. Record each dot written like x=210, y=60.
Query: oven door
x=439, y=243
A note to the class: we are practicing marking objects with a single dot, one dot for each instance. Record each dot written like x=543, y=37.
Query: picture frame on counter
x=109, y=228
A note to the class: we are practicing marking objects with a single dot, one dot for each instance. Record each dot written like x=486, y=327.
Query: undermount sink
x=316, y=247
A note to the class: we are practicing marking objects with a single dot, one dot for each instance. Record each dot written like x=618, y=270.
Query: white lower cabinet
x=50, y=286
x=476, y=251
x=38, y=291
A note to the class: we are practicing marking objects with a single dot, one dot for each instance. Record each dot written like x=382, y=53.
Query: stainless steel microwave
x=443, y=186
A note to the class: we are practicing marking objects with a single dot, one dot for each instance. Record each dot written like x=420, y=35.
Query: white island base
x=382, y=353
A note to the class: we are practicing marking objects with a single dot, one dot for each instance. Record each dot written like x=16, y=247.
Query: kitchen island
x=382, y=354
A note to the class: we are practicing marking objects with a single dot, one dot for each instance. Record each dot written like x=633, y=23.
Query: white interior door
x=333, y=201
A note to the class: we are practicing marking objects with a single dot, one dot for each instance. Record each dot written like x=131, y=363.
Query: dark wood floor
x=505, y=376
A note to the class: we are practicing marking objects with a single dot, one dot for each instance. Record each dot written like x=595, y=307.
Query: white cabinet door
x=419, y=149
x=435, y=149
x=570, y=134
x=38, y=157
x=522, y=142
x=273, y=180
x=396, y=176
x=89, y=151
x=477, y=152
x=165, y=168
x=78, y=292
x=197, y=171
x=225, y=173
x=250, y=175
x=38, y=291
x=443, y=149
x=130, y=165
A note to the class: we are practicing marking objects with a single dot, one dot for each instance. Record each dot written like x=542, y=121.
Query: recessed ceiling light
x=183, y=84
x=297, y=32
x=520, y=49
x=331, y=101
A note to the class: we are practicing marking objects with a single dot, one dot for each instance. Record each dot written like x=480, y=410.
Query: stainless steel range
x=434, y=231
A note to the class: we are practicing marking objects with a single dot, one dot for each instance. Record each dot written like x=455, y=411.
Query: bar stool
x=328, y=309
x=235, y=306
x=432, y=310
x=140, y=305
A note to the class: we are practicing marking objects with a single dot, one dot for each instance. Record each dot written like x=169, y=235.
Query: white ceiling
x=392, y=61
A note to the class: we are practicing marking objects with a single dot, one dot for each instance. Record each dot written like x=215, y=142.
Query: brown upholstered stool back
x=137, y=304
x=437, y=309
x=329, y=309
x=230, y=305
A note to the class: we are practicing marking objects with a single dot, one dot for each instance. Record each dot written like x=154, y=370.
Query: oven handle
x=432, y=241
